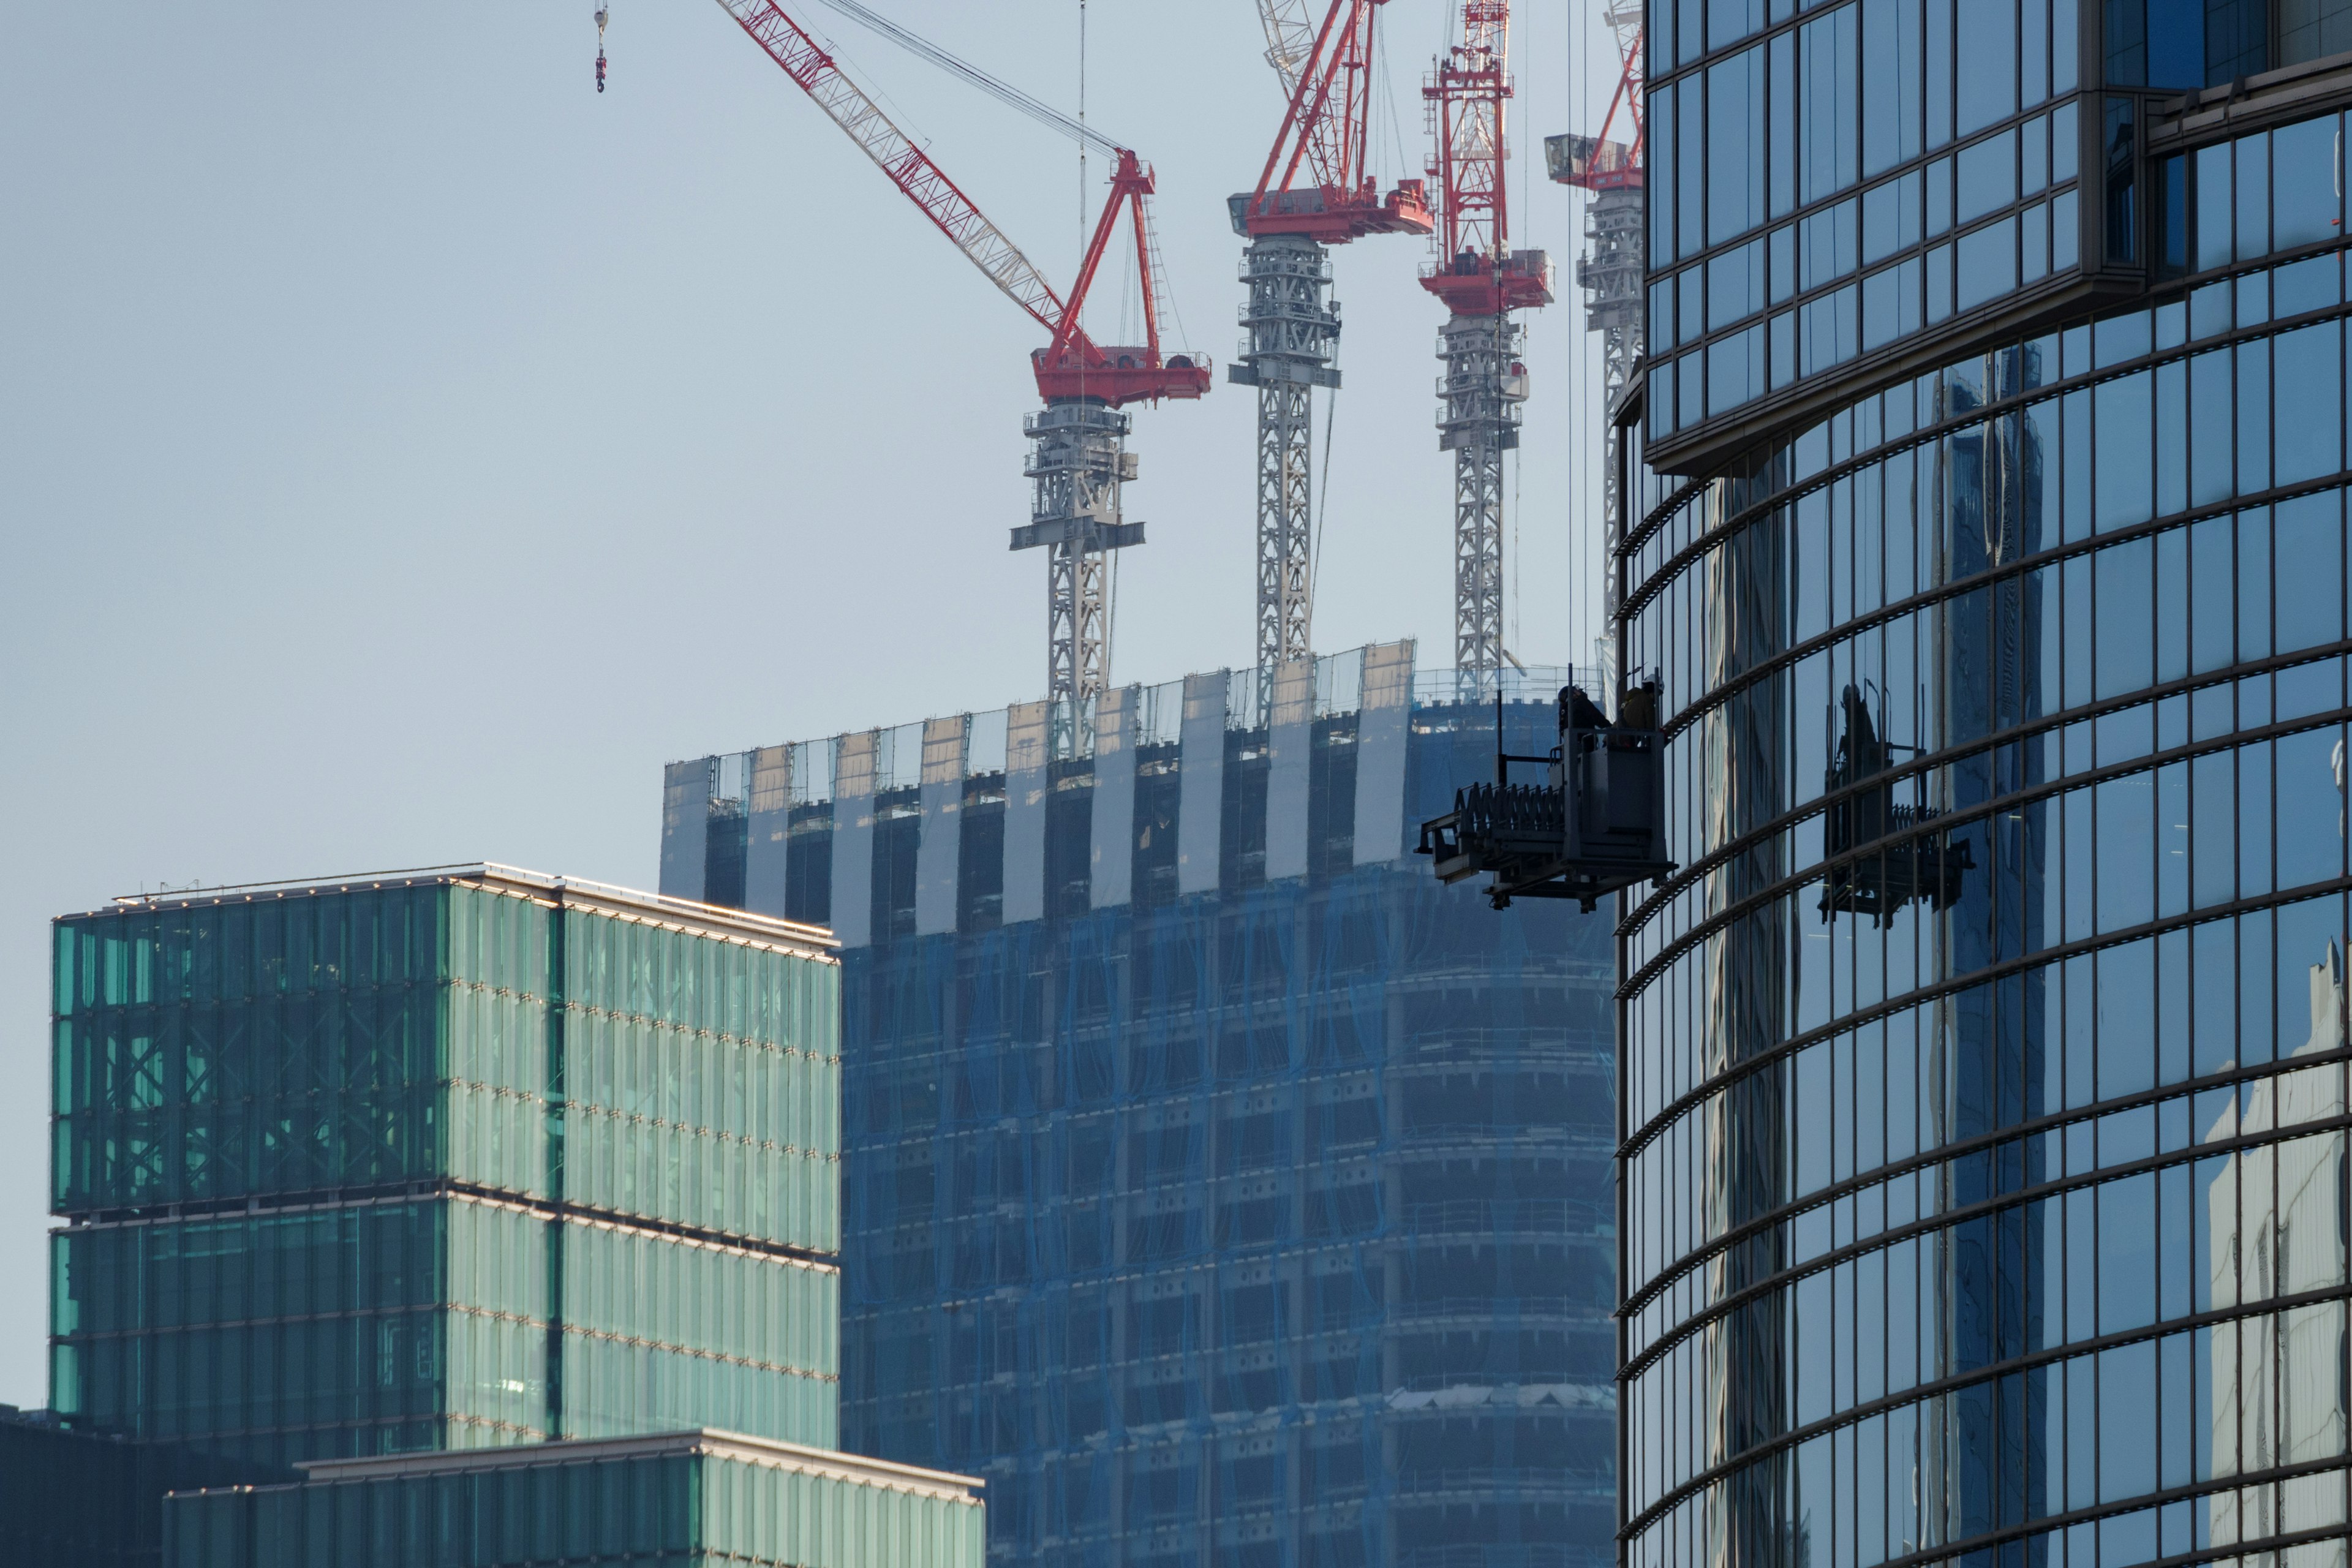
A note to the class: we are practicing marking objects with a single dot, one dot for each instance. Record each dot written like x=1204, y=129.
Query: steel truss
x=1292, y=335
x=1484, y=387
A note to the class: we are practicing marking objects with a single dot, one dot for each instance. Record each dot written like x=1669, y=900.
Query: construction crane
x=1482, y=280
x=1313, y=192
x=1610, y=272
x=1289, y=34
x=1078, y=460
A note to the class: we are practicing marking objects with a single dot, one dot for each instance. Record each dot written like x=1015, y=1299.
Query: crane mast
x=1610, y=271
x=1481, y=279
x=1313, y=192
x=1078, y=459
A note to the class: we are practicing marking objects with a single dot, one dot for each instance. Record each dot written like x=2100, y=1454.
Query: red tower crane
x=1610, y=271
x=1078, y=460
x=1482, y=280
x=1315, y=191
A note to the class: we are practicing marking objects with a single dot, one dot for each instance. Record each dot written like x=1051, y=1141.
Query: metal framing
x=1292, y=336
x=1484, y=388
x=1079, y=462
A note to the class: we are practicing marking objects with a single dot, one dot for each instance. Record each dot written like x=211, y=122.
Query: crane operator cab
x=1595, y=824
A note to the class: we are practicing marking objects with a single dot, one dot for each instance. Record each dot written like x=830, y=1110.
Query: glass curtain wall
x=448, y=1165
x=1983, y=1099
x=1219, y=1187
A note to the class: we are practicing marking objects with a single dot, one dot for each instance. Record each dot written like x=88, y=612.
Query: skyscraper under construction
x=1217, y=1186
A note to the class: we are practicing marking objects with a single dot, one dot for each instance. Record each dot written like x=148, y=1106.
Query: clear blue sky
x=404, y=451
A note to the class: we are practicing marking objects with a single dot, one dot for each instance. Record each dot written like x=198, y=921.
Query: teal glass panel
x=661, y=1333
x=224, y=1051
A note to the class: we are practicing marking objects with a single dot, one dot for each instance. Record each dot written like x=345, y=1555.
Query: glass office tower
x=455, y=1159
x=1983, y=1098
x=1219, y=1187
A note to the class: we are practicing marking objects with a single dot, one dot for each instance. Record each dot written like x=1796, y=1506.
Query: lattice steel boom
x=1481, y=281
x=1079, y=457
x=1313, y=192
x=1610, y=271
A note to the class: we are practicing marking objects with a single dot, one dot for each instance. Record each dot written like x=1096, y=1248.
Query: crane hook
x=604, y=13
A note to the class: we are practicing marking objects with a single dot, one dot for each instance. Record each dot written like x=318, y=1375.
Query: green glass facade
x=68, y=1498
x=451, y=1161
x=670, y=1502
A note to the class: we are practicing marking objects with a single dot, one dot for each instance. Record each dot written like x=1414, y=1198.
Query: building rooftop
x=698, y=1440
x=604, y=898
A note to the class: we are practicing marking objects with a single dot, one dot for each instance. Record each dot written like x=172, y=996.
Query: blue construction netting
x=1269, y=1224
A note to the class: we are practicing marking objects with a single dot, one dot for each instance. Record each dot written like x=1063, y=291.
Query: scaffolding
x=1218, y=1186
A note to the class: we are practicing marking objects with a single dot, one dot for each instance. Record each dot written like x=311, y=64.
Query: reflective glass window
x=1987, y=176
x=1830, y=156
x=1988, y=66
x=1736, y=146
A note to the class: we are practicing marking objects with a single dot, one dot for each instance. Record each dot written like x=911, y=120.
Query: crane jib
x=896, y=155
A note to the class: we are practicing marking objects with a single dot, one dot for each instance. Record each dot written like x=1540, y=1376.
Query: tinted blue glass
x=2121, y=123
x=1734, y=370
x=2127, y=39
x=1891, y=303
x=2306, y=182
x=1728, y=21
x=1781, y=54
x=2313, y=29
x=1987, y=175
x=2313, y=285
x=2120, y=339
x=2171, y=192
x=1939, y=51
x=1735, y=120
x=1988, y=263
x=2254, y=192
x=1690, y=177
x=2033, y=51
x=1831, y=241
x=1734, y=286
x=2237, y=34
x=1830, y=156
x=1828, y=331
x=2176, y=43
x=1660, y=128
x=2064, y=56
x=2122, y=410
x=1891, y=107
x=1988, y=66
x=2309, y=431
x=2253, y=415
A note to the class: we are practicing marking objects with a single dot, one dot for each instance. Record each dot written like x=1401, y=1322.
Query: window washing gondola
x=1596, y=825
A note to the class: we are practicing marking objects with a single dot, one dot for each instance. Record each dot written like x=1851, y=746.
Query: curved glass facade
x=1983, y=1073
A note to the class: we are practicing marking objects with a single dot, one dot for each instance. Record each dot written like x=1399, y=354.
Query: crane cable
x=1005, y=93
x=603, y=14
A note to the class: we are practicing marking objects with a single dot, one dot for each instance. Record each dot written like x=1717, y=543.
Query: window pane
x=2310, y=378
x=1988, y=65
x=1988, y=263
x=1734, y=130
x=2304, y=180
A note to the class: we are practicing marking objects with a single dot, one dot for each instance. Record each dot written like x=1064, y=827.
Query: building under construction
x=1217, y=1185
